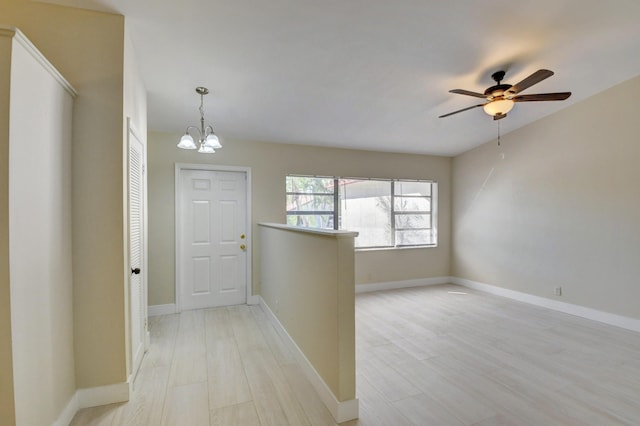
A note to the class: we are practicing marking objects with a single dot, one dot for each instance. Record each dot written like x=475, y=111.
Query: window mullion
x=431, y=207
x=336, y=200
x=393, y=214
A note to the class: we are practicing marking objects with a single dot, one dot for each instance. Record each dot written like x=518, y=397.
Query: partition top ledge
x=326, y=232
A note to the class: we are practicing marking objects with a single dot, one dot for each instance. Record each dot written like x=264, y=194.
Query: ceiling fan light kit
x=502, y=97
x=208, y=142
x=498, y=107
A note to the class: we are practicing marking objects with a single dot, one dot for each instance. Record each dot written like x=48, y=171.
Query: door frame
x=179, y=167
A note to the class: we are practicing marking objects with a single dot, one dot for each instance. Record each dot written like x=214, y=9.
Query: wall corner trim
x=567, y=308
x=341, y=411
x=392, y=285
x=155, y=310
x=38, y=56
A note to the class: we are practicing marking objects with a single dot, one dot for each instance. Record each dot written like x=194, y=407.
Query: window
x=311, y=202
x=386, y=213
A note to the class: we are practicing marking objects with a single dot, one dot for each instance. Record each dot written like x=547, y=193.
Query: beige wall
x=307, y=281
x=87, y=48
x=561, y=209
x=270, y=163
x=40, y=241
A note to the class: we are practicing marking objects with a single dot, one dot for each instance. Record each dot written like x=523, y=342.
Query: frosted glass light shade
x=204, y=149
x=212, y=141
x=501, y=106
x=186, y=142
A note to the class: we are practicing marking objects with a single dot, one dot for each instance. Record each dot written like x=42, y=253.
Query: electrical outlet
x=557, y=291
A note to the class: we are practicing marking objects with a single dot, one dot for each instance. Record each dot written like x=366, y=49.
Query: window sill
x=395, y=248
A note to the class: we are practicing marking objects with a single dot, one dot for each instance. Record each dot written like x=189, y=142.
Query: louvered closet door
x=136, y=250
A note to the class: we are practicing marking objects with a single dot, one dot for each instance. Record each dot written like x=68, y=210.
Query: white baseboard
x=341, y=411
x=393, y=285
x=72, y=407
x=103, y=395
x=254, y=300
x=155, y=310
x=170, y=308
x=568, y=308
x=93, y=397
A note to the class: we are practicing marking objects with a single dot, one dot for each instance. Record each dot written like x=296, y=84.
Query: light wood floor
x=441, y=355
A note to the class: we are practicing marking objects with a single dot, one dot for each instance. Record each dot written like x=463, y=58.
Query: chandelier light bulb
x=186, y=142
x=212, y=141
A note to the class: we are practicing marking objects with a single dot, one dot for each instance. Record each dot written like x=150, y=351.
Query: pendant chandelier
x=207, y=140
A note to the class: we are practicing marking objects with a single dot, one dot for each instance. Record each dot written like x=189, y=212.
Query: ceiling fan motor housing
x=497, y=90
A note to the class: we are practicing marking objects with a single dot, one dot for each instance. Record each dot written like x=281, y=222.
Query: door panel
x=201, y=275
x=229, y=268
x=211, y=220
x=201, y=224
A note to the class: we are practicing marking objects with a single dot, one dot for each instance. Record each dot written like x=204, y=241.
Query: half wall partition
x=308, y=289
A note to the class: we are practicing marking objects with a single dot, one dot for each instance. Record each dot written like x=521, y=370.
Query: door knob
x=135, y=271
x=242, y=246
x=242, y=236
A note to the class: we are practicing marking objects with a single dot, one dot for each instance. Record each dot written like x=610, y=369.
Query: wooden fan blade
x=534, y=78
x=468, y=93
x=561, y=96
x=461, y=110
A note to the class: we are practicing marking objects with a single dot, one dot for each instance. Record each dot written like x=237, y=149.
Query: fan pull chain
x=498, y=132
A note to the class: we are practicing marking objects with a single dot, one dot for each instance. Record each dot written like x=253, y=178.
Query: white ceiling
x=369, y=74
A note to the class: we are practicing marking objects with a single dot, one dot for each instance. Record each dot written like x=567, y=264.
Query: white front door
x=137, y=293
x=211, y=265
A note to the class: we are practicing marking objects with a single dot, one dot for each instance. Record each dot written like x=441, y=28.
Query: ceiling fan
x=501, y=97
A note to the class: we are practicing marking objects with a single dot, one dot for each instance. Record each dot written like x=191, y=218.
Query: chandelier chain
x=202, y=135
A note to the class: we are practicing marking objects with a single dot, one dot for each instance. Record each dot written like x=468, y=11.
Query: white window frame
x=337, y=214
